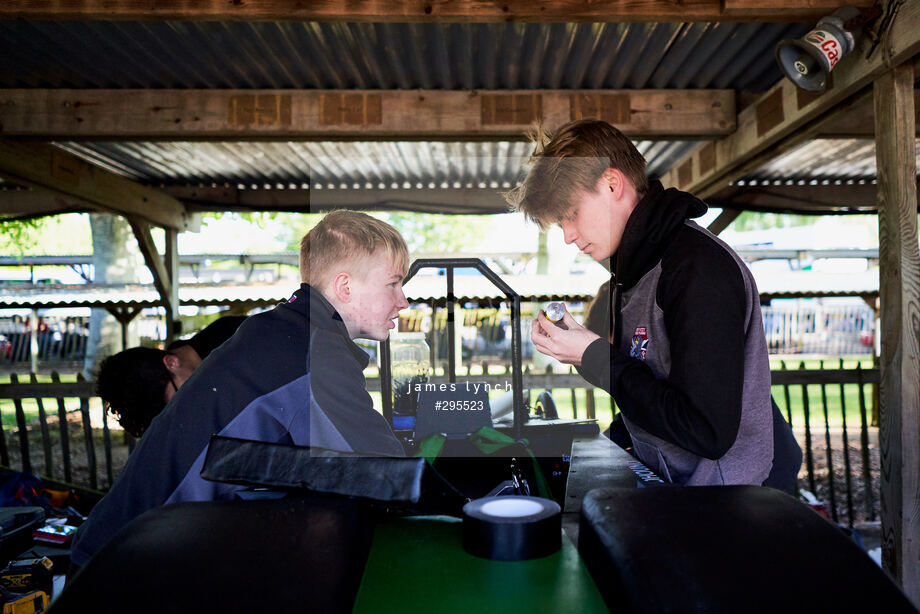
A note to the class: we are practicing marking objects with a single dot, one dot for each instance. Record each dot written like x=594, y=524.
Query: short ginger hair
x=571, y=161
x=348, y=237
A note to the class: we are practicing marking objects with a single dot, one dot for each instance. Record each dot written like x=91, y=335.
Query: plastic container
x=411, y=363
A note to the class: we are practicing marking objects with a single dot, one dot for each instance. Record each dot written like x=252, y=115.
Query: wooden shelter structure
x=156, y=110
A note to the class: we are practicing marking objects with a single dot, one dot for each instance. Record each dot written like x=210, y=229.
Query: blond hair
x=350, y=238
x=572, y=161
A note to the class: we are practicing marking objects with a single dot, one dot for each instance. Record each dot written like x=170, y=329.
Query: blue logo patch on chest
x=639, y=348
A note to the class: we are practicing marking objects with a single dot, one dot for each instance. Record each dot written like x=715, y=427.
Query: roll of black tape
x=512, y=528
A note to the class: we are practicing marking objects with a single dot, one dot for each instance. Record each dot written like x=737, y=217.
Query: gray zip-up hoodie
x=688, y=367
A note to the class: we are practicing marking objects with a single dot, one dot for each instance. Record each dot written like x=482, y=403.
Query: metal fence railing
x=52, y=430
x=830, y=410
x=58, y=430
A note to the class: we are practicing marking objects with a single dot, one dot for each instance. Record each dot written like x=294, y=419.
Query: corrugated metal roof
x=835, y=161
x=420, y=288
x=311, y=55
x=99, y=295
x=371, y=165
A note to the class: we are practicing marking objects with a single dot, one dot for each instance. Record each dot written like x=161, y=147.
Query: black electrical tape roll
x=512, y=528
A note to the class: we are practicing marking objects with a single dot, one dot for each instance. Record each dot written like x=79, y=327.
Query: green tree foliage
x=51, y=235
x=19, y=237
x=428, y=232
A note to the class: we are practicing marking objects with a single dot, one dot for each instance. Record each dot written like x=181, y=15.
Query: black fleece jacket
x=702, y=298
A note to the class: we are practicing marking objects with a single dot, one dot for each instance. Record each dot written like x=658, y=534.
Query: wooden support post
x=124, y=315
x=33, y=341
x=165, y=274
x=174, y=324
x=899, y=290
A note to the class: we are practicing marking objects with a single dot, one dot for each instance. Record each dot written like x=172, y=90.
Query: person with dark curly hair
x=136, y=384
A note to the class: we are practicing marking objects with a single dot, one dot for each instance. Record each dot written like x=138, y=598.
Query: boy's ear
x=341, y=287
x=614, y=179
x=171, y=362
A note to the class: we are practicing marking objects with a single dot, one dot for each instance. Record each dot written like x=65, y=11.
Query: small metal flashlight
x=554, y=312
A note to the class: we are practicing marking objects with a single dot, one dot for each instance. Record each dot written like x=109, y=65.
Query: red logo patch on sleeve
x=639, y=348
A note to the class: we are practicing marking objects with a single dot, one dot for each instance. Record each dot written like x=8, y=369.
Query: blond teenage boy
x=292, y=374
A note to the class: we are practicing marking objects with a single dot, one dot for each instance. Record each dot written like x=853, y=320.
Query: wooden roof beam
x=426, y=10
x=807, y=199
x=45, y=167
x=422, y=200
x=785, y=115
x=355, y=114
x=860, y=122
x=26, y=204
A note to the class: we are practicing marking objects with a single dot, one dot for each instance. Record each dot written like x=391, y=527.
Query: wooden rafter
x=45, y=167
x=423, y=200
x=165, y=271
x=722, y=222
x=427, y=10
x=355, y=114
x=859, y=123
x=809, y=199
x=785, y=115
x=37, y=203
x=162, y=280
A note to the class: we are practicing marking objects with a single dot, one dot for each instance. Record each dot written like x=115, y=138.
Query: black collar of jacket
x=650, y=230
x=310, y=302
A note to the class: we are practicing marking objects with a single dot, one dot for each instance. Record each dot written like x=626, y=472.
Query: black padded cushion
x=725, y=549
x=284, y=555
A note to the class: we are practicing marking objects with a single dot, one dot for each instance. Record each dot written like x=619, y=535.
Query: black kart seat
x=725, y=549
x=281, y=555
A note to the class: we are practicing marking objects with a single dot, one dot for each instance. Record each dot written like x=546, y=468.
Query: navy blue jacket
x=289, y=375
